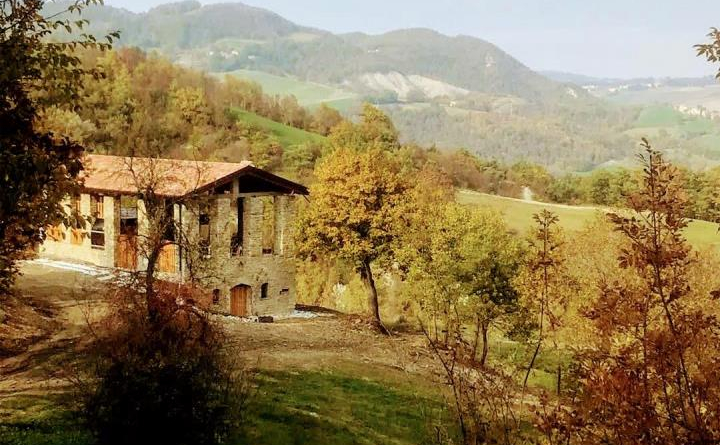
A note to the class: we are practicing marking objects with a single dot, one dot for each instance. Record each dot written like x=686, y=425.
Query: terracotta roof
x=171, y=177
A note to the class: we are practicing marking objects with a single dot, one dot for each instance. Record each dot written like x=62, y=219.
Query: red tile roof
x=169, y=177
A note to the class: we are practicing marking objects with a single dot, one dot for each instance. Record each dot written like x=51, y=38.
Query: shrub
x=166, y=381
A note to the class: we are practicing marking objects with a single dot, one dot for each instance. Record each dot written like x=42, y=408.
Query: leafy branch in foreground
x=37, y=167
x=711, y=51
x=651, y=374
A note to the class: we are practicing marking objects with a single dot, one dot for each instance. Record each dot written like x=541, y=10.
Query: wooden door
x=167, y=261
x=127, y=252
x=239, y=299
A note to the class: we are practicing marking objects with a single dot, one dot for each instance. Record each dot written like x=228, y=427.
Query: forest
x=438, y=323
x=181, y=113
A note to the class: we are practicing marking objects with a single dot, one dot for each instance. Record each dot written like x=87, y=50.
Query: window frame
x=97, y=229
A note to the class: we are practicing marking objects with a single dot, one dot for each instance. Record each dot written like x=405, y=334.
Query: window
x=97, y=207
x=128, y=216
x=236, y=244
x=75, y=204
x=264, y=291
x=216, y=296
x=97, y=232
x=168, y=222
x=204, y=228
x=268, y=226
x=75, y=219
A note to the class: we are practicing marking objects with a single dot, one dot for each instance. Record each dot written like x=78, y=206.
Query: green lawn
x=285, y=134
x=288, y=408
x=518, y=215
x=308, y=94
x=329, y=408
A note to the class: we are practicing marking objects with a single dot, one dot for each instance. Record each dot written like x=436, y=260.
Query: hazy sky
x=611, y=38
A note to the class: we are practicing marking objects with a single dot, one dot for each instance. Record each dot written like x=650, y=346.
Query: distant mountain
x=231, y=36
x=440, y=90
x=583, y=80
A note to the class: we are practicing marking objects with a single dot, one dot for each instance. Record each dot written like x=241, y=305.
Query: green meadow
x=308, y=94
x=287, y=136
x=518, y=215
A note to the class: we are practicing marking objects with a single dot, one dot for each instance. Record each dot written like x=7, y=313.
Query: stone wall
x=221, y=269
x=252, y=267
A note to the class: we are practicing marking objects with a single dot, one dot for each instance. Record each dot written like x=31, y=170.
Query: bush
x=162, y=382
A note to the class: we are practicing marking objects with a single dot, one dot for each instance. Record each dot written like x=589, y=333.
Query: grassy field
x=656, y=120
x=707, y=96
x=285, y=134
x=289, y=407
x=518, y=214
x=308, y=94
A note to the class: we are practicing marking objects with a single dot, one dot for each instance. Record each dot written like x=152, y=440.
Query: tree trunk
x=485, y=345
x=150, y=297
x=367, y=277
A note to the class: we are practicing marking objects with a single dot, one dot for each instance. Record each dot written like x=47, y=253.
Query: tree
x=37, y=167
x=544, y=282
x=356, y=210
x=463, y=275
x=461, y=278
x=652, y=374
x=325, y=118
x=375, y=130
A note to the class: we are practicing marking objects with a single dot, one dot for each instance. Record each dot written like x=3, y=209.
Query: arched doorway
x=239, y=300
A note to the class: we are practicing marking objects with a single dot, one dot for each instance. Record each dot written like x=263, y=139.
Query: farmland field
x=518, y=215
x=308, y=94
x=287, y=136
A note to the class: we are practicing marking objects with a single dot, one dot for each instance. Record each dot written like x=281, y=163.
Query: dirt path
x=61, y=300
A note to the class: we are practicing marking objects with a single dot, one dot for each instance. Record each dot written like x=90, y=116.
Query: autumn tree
x=358, y=203
x=375, y=130
x=37, y=167
x=325, y=118
x=651, y=374
x=357, y=206
x=711, y=50
x=544, y=283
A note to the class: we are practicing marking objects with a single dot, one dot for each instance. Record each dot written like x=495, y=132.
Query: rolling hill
x=443, y=91
x=286, y=135
x=230, y=36
x=518, y=215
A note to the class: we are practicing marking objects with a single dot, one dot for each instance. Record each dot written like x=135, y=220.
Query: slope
x=225, y=37
x=518, y=215
x=286, y=135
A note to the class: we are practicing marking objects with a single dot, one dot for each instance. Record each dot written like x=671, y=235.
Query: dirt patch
x=46, y=323
x=331, y=341
x=339, y=342
x=24, y=321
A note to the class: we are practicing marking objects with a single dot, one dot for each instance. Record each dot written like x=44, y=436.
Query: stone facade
x=222, y=268
x=249, y=266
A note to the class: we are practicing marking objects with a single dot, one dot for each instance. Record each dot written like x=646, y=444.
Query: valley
x=221, y=226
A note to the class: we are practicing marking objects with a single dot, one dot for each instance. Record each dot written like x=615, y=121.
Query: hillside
x=226, y=37
x=443, y=91
x=286, y=135
x=518, y=215
x=308, y=94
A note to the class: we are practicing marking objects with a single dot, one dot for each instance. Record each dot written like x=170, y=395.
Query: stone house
x=235, y=221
